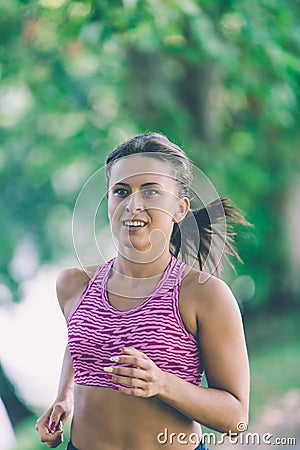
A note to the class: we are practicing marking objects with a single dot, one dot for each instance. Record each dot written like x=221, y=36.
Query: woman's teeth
x=134, y=223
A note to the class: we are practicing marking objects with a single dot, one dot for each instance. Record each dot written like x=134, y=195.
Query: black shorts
x=201, y=446
x=71, y=446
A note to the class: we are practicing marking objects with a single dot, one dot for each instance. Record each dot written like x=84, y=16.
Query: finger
x=129, y=381
x=52, y=439
x=135, y=392
x=43, y=429
x=44, y=419
x=55, y=420
x=133, y=351
x=56, y=442
x=131, y=372
x=133, y=360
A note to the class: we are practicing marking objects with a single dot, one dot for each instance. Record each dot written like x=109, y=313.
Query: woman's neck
x=141, y=269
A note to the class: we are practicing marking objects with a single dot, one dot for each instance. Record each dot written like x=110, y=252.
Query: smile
x=134, y=223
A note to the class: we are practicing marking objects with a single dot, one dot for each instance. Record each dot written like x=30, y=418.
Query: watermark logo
x=245, y=438
x=180, y=438
x=242, y=426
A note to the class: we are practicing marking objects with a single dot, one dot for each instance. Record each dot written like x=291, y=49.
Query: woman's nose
x=134, y=202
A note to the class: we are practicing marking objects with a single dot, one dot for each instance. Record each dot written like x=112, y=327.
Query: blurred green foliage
x=78, y=77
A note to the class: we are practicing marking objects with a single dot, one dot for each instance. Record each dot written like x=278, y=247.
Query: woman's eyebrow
x=119, y=183
x=150, y=183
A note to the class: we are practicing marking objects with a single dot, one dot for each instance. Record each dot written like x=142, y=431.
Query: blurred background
x=221, y=79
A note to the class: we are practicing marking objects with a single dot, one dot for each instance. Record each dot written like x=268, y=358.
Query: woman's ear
x=183, y=206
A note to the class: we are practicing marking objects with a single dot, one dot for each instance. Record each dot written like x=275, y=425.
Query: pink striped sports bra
x=97, y=330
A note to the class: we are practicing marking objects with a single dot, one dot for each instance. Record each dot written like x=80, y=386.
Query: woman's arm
x=69, y=286
x=50, y=424
x=223, y=405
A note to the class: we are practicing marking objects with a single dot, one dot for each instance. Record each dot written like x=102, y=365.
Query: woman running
x=145, y=326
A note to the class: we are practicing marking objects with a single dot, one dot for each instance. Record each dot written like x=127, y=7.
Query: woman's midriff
x=104, y=419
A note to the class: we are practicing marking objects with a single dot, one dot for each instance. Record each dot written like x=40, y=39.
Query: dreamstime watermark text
x=245, y=438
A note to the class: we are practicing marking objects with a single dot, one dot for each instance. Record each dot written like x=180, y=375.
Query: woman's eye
x=150, y=192
x=120, y=192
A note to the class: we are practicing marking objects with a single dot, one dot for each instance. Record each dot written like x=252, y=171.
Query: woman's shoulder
x=208, y=293
x=72, y=281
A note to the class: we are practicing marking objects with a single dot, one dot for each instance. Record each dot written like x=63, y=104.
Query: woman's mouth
x=134, y=224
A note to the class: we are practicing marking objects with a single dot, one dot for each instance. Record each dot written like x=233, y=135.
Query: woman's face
x=143, y=203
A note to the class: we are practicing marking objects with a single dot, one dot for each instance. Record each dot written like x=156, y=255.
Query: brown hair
x=205, y=241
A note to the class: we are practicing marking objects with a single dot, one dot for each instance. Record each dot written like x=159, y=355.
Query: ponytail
x=207, y=234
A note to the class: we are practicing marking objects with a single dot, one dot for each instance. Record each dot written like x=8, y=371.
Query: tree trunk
x=16, y=409
x=150, y=91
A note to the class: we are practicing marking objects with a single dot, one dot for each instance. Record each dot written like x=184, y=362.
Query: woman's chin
x=138, y=252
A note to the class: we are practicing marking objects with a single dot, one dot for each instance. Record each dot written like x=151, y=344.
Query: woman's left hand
x=142, y=379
